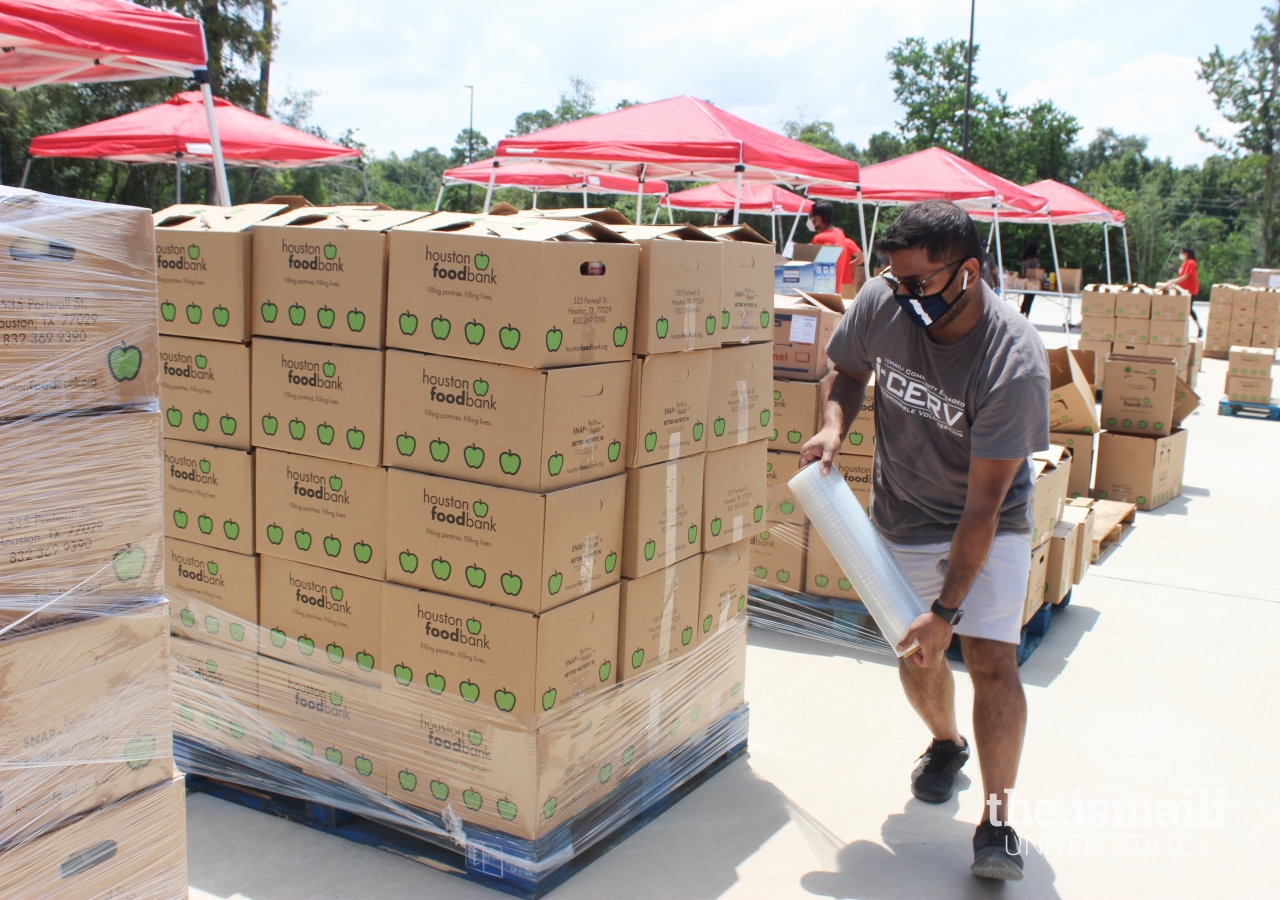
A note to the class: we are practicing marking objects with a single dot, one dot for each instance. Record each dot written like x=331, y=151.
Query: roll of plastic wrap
x=860, y=550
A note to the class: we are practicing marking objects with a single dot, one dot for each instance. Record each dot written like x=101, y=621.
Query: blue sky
x=394, y=69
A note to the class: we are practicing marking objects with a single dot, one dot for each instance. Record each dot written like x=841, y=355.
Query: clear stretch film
x=860, y=550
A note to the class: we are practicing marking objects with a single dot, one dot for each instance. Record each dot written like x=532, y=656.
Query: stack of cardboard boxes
x=86, y=751
x=1242, y=317
x=1249, y=374
x=1136, y=320
x=494, y=467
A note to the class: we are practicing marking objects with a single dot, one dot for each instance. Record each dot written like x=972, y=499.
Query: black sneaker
x=933, y=779
x=997, y=852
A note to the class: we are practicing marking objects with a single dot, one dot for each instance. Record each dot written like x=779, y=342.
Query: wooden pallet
x=1249, y=410
x=1112, y=521
x=488, y=858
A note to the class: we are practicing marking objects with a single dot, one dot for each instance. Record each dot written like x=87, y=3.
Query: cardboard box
x=529, y=429
x=1098, y=301
x=1180, y=354
x=208, y=496
x=1099, y=351
x=204, y=270
x=822, y=574
x=861, y=439
x=746, y=285
x=1080, y=512
x=1133, y=331
x=214, y=596
x=1097, y=328
x=1169, y=332
x=320, y=274
x=1186, y=401
x=550, y=293
x=1063, y=547
x=1081, y=448
x=77, y=306
x=678, y=294
x=802, y=328
x=136, y=847
x=1250, y=362
x=1037, y=582
x=86, y=713
x=204, y=391
x=1267, y=338
x=781, y=505
x=322, y=724
x=525, y=551
x=812, y=269
x=321, y=400
x=734, y=494
x=777, y=556
x=859, y=473
x=321, y=619
x=503, y=660
x=1170, y=305
x=1140, y=395
x=1240, y=334
x=1248, y=390
x=723, y=595
x=215, y=694
x=796, y=416
x=1223, y=293
x=658, y=617
x=1134, y=303
x=1052, y=475
x=1071, y=405
x=82, y=506
x=667, y=412
x=1140, y=470
x=663, y=516
x=1244, y=306
x=740, y=408
x=323, y=512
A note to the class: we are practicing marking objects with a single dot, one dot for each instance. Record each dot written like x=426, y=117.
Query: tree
x=577, y=103
x=1246, y=89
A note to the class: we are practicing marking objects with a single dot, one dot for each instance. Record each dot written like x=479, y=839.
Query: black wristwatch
x=951, y=616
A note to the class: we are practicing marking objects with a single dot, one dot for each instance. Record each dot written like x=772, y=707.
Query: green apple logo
x=615, y=450
x=269, y=425
x=355, y=321
x=408, y=781
x=275, y=534
x=324, y=433
x=716, y=525
x=228, y=425
x=409, y=562
x=193, y=314
x=335, y=483
x=355, y=438
x=506, y=809
x=693, y=533
x=302, y=539
x=649, y=549
x=403, y=674
x=221, y=316
x=482, y=261
x=637, y=658
x=277, y=638
x=549, y=808
x=440, y=326
x=764, y=318
x=231, y=530
x=660, y=327
x=439, y=450
x=761, y=572
x=474, y=626
x=554, y=583
x=129, y=563
x=188, y=618
x=325, y=316
x=786, y=507
x=509, y=337
x=554, y=338
x=650, y=441
x=820, y=580
x=764, y=417
x=473, y=456
x=845, y=584
x=555, y=463
x=362, y=552
x=364, y=661
x=718, y=427
x=475, y=577
x=697, y=431
x=480, y=386
x=200, y=420
x=472, y=800
x=173, y=416
x=201, y=360
x=205, y=524
x=758, y=512
x=707, y=623
x=406, y=444
x=469, y=691
x=509, y=462
x=474, y=332
x=124, y=362
x=168, y=311
x=686, y=636
x=364, y=766
x=269, y=312
x=330, y=251
x=334, y=756
x=440, y=790
x=628, y=755
x=211, y=624
x=619, y=335
x=306, y=646
x=332, y=546
x=610, y=563
x=855, y=438
x=297, y=429
x=504, y=700
x=548, y=699
x=297, y=314
x=606, y=668
x=711, y=324
x=511, y=584
x=793, y=436
x=724, y=318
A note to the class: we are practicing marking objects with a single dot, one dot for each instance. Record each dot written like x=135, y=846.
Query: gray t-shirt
x=937, y=405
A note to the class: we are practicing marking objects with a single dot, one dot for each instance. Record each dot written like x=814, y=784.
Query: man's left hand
x=933, y=635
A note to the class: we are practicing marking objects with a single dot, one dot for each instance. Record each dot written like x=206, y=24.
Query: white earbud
x=964, y=284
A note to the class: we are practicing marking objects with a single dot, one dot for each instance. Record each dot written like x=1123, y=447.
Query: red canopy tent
x=178, y=128
x=935, y=174
x=537, y=176
x=73, y=41
x=1067, y=206
x=681, y=138
x=758, y=198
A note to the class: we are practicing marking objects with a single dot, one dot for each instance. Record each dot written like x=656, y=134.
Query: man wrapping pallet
x=962, y=400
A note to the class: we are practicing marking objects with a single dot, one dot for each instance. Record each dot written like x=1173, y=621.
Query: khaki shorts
x=994, y=606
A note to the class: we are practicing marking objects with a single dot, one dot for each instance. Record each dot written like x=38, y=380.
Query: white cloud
x=394, y=69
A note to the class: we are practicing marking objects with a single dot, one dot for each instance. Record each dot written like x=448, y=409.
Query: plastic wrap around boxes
x=90, y=804
x=486, y=583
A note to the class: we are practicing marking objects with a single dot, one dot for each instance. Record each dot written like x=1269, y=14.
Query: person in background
x=820, y=218
x=988, y=267
x=1189, y=280
x=1030, y=260
x=724, y=219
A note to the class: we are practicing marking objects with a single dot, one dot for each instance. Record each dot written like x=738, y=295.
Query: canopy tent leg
x=1057, y=273
x=1106, y=248
x=488, y=194
x=671, y=219
x=26, y=170
x=995, y=226
x=1128, y=273
x=535, y=199
x=640, y=197
x=773, y=229
x=585, y=204
x=219, y=165
x=177, y=164
x=440, y=197
x=737, y=193
x=875, y=223
x=862, y=230
x=791, y=238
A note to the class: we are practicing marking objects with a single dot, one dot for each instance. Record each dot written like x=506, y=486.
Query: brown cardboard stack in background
x=85, y=694
x=1249, y=374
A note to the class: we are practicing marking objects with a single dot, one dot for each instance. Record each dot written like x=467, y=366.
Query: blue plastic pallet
x=651, y=791
x=1249, y=410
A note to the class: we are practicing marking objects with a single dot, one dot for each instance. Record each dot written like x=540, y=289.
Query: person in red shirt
x=825, y=233
x=1189, y=280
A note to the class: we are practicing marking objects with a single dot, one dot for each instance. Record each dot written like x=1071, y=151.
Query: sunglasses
x=915, y=286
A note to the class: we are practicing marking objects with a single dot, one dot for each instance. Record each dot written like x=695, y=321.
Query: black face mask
x=926, y=310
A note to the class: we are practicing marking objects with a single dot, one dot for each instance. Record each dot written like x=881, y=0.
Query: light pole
x=968, y=81
x=471, y=130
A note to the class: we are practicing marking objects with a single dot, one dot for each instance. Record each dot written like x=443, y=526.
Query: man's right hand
x=823, y=447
